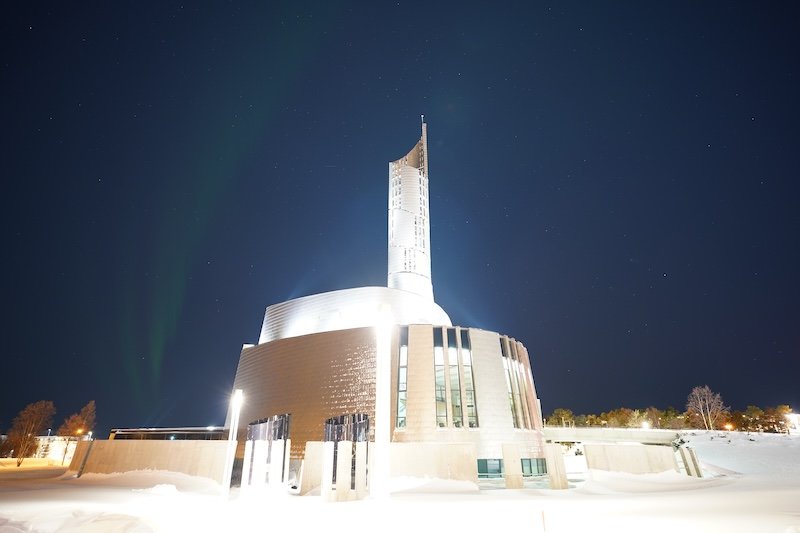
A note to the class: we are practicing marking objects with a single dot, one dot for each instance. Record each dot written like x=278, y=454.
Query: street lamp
x=67, y=443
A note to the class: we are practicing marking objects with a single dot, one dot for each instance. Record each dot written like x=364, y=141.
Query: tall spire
x=409, y=266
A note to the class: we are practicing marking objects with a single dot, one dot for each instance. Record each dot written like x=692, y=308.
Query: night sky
x=615, y=184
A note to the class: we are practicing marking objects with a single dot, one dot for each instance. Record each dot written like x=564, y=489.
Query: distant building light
x=793, y=420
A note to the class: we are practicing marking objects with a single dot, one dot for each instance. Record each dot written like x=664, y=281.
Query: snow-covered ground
x=752, y=485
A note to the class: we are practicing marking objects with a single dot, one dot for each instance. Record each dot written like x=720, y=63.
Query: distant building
x=178, y=433
x=316, y=355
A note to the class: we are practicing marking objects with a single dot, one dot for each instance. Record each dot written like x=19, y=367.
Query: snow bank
x=765, y=455
x=753, y=486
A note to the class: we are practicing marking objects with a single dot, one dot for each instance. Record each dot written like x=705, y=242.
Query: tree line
x=35, y=419
x=704, y=410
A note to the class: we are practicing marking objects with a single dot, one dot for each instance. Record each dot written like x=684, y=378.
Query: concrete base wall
x=435, y=459
x=630, y=458
x=311, y=469
x=456, y=461
x=204, y=458
x=556, y=469
x=513, y=466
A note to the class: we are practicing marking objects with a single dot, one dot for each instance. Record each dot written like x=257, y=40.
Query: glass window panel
x=437, y=337
x=440, y=382
x=451, y=338
x=490, y=468
x=438, y=356
x=466, y=357
x=403, y=380
x=403, y=355
x=465, y=344
x=513, y=409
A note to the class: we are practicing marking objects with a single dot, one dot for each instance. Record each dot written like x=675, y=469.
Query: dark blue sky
x=614, y=184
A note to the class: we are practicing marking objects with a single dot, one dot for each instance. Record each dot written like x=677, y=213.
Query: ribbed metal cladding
x=312, y=377
x=409, y=266
x=346, y=309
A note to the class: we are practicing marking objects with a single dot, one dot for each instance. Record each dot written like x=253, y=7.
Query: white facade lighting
x=236, y=409
x=379, y=474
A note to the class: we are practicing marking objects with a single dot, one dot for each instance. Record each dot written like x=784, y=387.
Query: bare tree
x=28, y=424
x=78, y=424
x=561, y=417
x=706, y=404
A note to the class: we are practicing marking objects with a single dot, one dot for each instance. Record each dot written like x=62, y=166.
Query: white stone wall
x=630, y=458
x=495, y=423
x=204, y=458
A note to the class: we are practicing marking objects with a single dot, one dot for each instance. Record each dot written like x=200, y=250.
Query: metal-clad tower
x=409, y=221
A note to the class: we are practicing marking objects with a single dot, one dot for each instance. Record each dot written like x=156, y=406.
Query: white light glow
x=237, y=399
x=379, y=474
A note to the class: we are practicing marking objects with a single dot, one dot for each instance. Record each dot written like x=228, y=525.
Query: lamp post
x=236, y=408
x=69, y=440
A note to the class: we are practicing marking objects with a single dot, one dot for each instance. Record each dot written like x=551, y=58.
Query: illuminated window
x=518, y=382
x=439, y=371
x=402, y=379
x=455, y=380
x=512, y=398
x=469, y=381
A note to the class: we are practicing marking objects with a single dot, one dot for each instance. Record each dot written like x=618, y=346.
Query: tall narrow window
x=509, y=381
x=439, y=369
x=402, y=379
x=469, y=381
x=455, y=380
x=519, y=386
